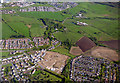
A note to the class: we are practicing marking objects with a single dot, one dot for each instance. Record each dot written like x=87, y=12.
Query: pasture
x=7, y=31
x=49, y=15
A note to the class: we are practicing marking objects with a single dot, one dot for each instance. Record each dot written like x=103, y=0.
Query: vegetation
x=41, y=75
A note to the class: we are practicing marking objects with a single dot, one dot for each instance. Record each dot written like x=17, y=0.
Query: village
x=25, y=43
x=86, y=68
x=24, y=63
x=56, y=7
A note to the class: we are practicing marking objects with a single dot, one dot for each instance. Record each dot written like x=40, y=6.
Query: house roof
x=85, y=43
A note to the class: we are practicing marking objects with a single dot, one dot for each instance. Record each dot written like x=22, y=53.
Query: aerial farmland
x=60, y=41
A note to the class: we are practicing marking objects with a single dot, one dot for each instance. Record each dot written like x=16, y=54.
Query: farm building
x=85, y=44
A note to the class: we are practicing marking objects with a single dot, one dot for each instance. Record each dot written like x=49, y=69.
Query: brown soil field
x=112, y=44
x=75, y=51
x=85, y=43
x=103, y=52
x=54, y=60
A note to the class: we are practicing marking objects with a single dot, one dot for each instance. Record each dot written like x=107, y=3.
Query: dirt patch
x=103, y=52
x=112, y=44
x=106, y=15
x=75, y=51
x=54, y=61
x=29, y=26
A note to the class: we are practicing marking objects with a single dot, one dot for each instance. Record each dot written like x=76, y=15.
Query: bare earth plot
x=113, y=43
x=75, y=50
x=103, y=52
x=54, y=61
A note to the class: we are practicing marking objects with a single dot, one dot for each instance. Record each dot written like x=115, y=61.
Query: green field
x=63, y=51
x=7, y=54
x=94, y=10
x=6, y=31
x=44, y=76
x=37, y=30
x=50, y=15
x=102, y=29
x=20, y=26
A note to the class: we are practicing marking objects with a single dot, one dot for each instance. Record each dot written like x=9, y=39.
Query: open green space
x=50, y=15
x=5, y=54
x=40, y=75
x=63, y=51
x=37, y=30
x=20, y=28
x=7, y=31
x=94, y=10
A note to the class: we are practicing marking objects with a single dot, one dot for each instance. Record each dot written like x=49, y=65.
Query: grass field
x=6, y=31
x=50, y=15
x=62, y=50
x=19, y=24
x=103, y=29
x=94, y=10
x=37, y=30
x=20, y=28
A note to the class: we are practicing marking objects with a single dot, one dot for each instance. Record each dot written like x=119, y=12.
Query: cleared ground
x=112, y=44
x=54, y=61
x=103, y=52
x=75, y=51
